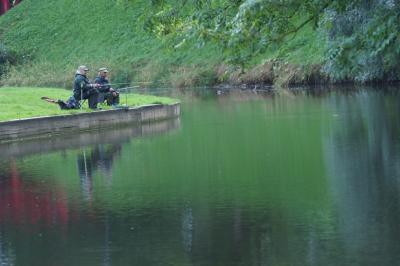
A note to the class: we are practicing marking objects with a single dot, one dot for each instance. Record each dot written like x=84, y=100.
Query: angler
x=83, y=90
x=106, y=93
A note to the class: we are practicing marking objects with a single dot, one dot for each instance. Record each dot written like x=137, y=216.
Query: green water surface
x=241, y=178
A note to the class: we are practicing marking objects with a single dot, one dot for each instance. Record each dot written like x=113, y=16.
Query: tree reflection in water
x=7, y=255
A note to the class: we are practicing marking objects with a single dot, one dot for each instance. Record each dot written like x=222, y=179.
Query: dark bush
x=7, y=58
x=364, y=42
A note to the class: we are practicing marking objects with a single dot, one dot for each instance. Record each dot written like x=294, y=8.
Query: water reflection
x=84, y=139
x=27, y=202
x=248, y=180
x=99, y=158
x=7, y=255
x=362, y=155
x=187, y=229
x=41, y=212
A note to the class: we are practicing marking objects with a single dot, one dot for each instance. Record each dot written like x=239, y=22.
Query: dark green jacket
x=81, y=84
x=105, y=87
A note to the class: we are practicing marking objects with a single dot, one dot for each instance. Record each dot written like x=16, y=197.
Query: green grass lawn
x=18, y=103
x=54, y=44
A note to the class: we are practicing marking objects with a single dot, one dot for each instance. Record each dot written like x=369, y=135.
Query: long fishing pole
x=126, y=92
x=81, y=103
x=110, y=84
x=126, y=83
x=131, y=87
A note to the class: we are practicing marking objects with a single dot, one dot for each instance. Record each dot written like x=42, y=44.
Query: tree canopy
x=362, y=36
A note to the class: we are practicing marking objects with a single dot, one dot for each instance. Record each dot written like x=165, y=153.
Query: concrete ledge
x=114, y=136
x=42, y=127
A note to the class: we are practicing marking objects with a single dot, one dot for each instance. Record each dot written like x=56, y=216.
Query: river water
x=241, y=178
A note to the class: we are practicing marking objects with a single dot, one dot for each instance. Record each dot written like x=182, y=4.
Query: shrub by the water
x=7, y=59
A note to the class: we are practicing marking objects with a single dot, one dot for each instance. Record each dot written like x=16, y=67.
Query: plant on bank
x=7, y=58
x=243, y=28
x=364, y=41
x=363, y=35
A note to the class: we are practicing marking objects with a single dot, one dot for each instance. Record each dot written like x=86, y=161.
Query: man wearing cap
x=83, y=89
x=106, y=92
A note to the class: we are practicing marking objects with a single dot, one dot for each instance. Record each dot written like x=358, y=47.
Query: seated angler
x=83, y=89
x=106, y=92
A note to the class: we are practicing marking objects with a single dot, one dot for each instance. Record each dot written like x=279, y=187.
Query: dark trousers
x=109, y=98
x=91, y=95
x=92, y=100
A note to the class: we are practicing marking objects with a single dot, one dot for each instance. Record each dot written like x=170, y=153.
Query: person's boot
x=92, y=102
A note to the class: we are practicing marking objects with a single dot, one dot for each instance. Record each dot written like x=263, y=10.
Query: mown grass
x=57, y=36
x=19, y=103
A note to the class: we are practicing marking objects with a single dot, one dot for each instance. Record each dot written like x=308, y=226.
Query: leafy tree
x=243, y=27
x=363, y=34
x=364, y=41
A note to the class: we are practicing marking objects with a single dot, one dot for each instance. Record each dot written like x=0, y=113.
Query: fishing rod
x=127, y=88
x=126, y=83
x=120, y=83
x=110, y=84
x=126, y=92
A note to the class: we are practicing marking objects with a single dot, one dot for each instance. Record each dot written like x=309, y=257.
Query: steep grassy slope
x=55, y=37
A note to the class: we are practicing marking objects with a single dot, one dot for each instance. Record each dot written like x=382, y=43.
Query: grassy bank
x=17, y=103
x=53, y=37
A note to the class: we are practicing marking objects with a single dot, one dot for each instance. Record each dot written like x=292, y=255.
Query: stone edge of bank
x=47, y=126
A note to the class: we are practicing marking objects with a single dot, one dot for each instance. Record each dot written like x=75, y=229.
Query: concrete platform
x=44, y=127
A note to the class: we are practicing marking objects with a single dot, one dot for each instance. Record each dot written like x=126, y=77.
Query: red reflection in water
x=28, y=203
